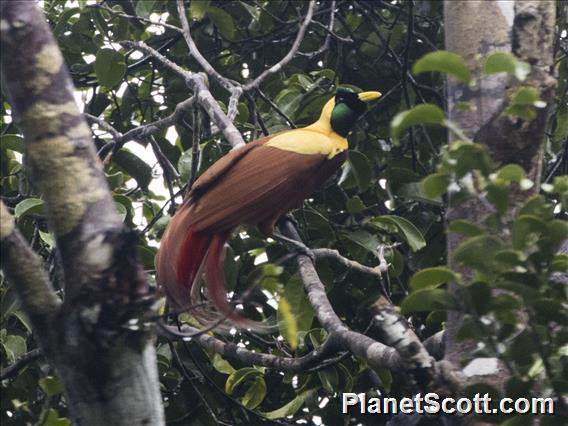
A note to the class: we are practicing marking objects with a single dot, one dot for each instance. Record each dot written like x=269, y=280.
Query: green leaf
x=511, y=173
x=292, y=407
x=289, y=100
x=24, y=319
x=355, y=205
x=47, y=238
x=122, y=212
x=405, y=228
x=13, y=142
x=145, y=7
x=222, y=365
x=223, y=21
x=524, y=227
x=557, y=231
x=301, y=308
x=361, y=169
x=435, y=185
x=51, y=385
x=329, y=379
x=362, y=239
x=428, y=299
x=8, y=304
x=498, y=195
x=14, y=346
x=63, y=18
x=287, y=323
x=506, y=62
x=420, y=114
x=198, y=9
x=468, y=157
x=115, y=180
x=147, y=256
x=239, y=377
x=52, y=419
x=110, y=67
x=443, y=61
x=184, y=165
x=134, y=166
x=465, y=228
x=29, y=206
x=478, y=252
x=255, y=393
x=431, y=278
x=523, y=102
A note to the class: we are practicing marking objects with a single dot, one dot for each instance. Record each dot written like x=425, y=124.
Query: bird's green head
x=347, y=106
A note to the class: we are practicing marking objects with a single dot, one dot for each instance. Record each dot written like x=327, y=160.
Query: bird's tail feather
x=205, y=251
x=190, y=257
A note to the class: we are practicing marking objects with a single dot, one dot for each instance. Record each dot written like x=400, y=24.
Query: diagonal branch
x=289, y=56
x=20, y=363
x=24, y=269
x=198, y=83
x=378, y=354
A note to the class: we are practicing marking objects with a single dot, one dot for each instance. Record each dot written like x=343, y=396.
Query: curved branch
x=232, y=351
x=378, y=354
x=145, y=130
x=24, y=268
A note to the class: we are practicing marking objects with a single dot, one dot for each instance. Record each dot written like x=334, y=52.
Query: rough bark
x=474, y=28
x=107, y=363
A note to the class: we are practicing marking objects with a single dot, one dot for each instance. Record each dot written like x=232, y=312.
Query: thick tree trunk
x=474, y=28
x=96, y=339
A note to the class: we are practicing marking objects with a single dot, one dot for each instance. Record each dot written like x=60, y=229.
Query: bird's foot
x=296, y=246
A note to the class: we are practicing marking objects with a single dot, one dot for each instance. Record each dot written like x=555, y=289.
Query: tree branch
x=325, y=253
x=20, y=363
x=233, y=351
x=24, y=269
x=375, y=352
x=207, y=67
x=289, y=56
x=398, y=334
x=198, y=83
x=109, y=372
x=60, y=155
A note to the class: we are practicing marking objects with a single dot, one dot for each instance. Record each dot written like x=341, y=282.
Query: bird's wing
x=221, y=166
x=263, y=184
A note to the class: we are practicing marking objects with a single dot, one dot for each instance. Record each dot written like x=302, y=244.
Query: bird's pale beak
x=369, y=96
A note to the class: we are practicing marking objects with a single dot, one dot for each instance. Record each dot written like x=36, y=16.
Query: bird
x=253, y=185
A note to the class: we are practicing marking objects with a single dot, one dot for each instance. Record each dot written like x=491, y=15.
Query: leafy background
x=392, y=192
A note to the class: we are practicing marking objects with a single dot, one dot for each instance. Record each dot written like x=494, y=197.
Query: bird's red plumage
x=191, y=255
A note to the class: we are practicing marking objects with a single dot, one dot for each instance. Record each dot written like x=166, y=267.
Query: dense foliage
x=390, y=196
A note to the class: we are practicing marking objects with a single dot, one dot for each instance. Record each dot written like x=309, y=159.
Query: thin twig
x=212, y=72
x=138, y=18
x=289, y=56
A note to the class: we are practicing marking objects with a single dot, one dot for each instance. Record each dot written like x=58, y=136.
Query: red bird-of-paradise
x=253, y=185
